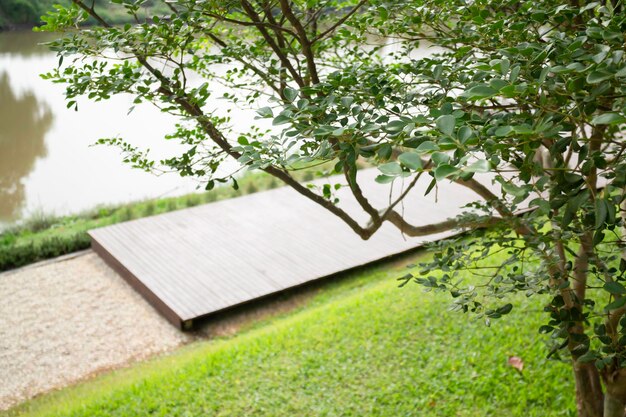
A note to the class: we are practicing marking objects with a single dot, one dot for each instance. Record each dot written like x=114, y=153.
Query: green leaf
x=614, y=288
x=440, y=158
x=505, y=64
x=572, y=207
x=480, y=166
x=395, y=126
x=281, y=119
x=589, y=6
x=523, y=129
x=596, y=77
x=430, y=186
x=502, y=131
x=444, y=171
x=384, y=179
x=514, y=73
x=445, y=124
x=608, y=119
x=437, y=71
x=611, y=212
x=576, y=66
x=558, y=69
x=410, y=160
x=464, y=133
x=383, y=13
x=588, y=357
x=479, y=92
x=426, y=147
x=600, y=212
x=514, y=190
x=290, y=94
x=385, y=151
x=546, y=329
x=391, y=168
x=621, y=302
x=543, y=74
x=505, y=309
x=265, y=112
x=447, y=143
x=347, y=101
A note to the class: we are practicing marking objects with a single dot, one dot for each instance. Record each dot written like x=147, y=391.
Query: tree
x=531, y=92
x=18, y=12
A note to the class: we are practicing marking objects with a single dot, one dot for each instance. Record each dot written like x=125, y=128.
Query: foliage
x=19, y=11
x=530, y=93
x=358, y=346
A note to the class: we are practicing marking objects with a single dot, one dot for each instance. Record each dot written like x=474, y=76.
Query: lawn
x=358, y=346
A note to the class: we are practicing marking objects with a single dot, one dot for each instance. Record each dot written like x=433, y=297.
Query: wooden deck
x=194, y=262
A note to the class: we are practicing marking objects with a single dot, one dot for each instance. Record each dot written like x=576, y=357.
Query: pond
x=46, y=162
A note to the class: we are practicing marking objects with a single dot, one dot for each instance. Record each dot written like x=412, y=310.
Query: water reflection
x=25, y=44
x=24, y=122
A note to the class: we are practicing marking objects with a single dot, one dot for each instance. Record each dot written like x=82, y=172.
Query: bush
x=24, y=254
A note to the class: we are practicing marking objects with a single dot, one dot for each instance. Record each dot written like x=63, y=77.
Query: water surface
x=46, y=161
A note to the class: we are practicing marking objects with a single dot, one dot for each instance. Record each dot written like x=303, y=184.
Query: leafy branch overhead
x=526, y=96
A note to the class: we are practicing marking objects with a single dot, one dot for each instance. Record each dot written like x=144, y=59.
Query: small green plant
x=193, y=200
x=149, y=208
x=308, y=176
x=39, y=221
x=125, y=214
x=252, y=188
x=172, y=205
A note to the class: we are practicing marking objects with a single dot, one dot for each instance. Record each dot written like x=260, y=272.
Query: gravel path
x=64, y=320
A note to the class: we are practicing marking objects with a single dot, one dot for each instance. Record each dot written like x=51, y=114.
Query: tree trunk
x=615, y=393
x=623, y=237
x=589, y=396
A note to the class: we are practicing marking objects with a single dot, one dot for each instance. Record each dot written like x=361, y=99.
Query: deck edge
x=158, y=304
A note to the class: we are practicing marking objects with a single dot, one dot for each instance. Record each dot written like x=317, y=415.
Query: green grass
x=359, y=346
x=43, y=237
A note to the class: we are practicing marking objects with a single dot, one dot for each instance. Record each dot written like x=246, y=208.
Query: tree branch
x=451, y=224
x=271, y=42
x=304, y=40
x=339, y=22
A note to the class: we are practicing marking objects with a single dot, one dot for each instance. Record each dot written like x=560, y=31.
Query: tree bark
x=622, y=207
x=615, y=393
x=615, y=381
x=589, y=396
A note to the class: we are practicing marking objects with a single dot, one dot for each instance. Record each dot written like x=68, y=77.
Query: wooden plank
x=198, y=261
x=140, y=287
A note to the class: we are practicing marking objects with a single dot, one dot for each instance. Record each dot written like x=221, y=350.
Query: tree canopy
x=529, y=95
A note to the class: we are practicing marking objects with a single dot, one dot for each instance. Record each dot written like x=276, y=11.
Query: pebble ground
x=65, y=320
